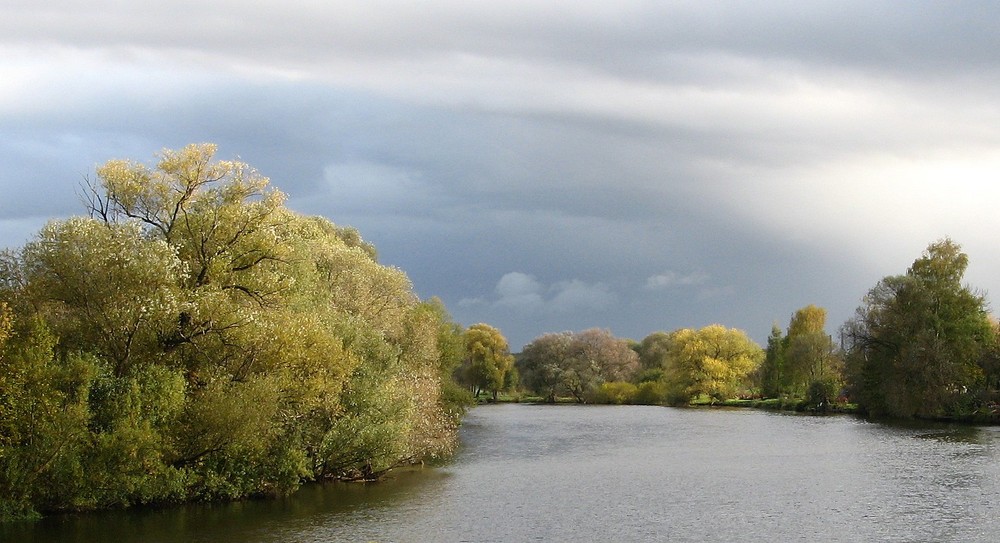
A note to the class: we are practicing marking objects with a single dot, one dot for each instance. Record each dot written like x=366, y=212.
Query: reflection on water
x=631, y=473
x=956, y=434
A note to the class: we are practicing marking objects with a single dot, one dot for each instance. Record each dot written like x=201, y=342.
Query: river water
x=621, y=474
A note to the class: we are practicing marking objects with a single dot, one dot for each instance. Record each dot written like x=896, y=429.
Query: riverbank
x=773, y=404
x=985, y=416
x=787, y=404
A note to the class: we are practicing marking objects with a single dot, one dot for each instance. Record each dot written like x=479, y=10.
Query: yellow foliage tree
x=488, y=356
x=194, y=339
x=713, y=361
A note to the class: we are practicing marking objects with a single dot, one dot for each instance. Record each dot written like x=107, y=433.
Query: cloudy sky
x=547, y=166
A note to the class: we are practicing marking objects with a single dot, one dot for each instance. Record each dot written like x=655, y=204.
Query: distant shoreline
x=768, y=404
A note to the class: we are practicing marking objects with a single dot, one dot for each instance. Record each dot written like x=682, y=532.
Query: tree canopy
x=488, y=360
x=804, y=359
x=713, y=361
x=914, y=344
x=192, y=338
x=576, y=363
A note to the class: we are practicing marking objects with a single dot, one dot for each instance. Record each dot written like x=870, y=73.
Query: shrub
x=650, y=393
x=614, y=392
x=822, y=392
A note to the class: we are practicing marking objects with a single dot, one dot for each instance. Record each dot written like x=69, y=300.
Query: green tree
x=771, y=370
x=809, y=353
x=914, y=344
x=489, y=358
x=195, y=339
x=810, y=358
x=451, y=353
x=794, y=362
x=104, y=288
x=43, y=419
x=653, y=350
x=541, y=364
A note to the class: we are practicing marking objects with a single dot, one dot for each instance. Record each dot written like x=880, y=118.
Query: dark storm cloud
x=547, y=166
x=635, y=38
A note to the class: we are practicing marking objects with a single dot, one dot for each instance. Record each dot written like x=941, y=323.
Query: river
x=621, y=474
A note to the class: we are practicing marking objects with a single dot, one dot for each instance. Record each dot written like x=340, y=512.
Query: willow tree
x=914, y=344
x=488, y=358
x=576, y=363
x=195, y=339
x=228, y=335
x=653, y=350
x=541, y=363
x=713, y=361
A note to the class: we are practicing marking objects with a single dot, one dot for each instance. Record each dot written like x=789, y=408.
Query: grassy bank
x=786, y=404
x=775, y=404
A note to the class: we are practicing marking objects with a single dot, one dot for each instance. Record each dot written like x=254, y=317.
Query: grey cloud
x=576, y=294
x=597, y=146
x=519, y=291
x=365, y=187
x=517, y=284
x=523, y=293
x=633, y=36
x=670, y=279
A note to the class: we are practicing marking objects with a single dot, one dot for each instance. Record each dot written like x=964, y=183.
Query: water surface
x=628, y=473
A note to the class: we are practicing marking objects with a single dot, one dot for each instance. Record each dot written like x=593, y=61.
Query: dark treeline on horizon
x=921, y=345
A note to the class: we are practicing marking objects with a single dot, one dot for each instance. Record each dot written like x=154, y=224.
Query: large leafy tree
x=542, y=361
x=713, y=361
x=43, y=417
x=802, y=360
x=105, y=288
x=653, y=350
x=195, y=339
x=598, y=357
x=576, y=363
x=809, y=354
x=488, y=358
x=914, y=344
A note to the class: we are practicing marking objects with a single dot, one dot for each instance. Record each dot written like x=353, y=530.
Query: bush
x=615, y=392
x=650, y=393
x=822, y=392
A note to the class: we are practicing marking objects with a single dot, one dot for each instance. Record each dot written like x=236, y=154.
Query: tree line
x=922, y=344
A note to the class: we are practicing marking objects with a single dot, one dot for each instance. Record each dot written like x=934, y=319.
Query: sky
x=547, y=166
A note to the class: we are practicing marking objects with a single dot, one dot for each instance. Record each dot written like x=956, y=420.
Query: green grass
x=521, y=398
x=786, y=404
x=776, y=404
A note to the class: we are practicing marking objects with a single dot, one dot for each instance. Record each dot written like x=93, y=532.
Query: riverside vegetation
x=921, y=345
x=193, y=339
